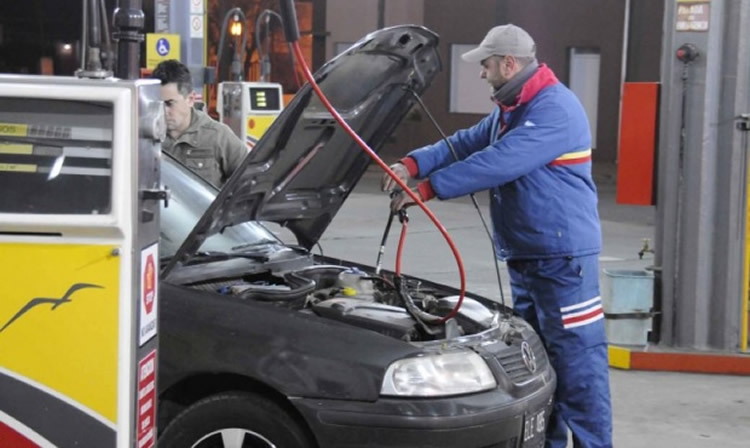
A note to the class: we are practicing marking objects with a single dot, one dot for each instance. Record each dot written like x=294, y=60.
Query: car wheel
x=234, y=420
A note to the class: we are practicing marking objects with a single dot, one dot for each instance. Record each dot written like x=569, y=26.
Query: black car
x=264, y=344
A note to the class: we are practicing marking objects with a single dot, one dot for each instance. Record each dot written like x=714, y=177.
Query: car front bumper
x=491, y=419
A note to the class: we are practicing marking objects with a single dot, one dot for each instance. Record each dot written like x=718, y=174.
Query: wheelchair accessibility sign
x=161, y=47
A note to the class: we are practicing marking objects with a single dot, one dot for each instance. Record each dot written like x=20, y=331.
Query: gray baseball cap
x=503, y=40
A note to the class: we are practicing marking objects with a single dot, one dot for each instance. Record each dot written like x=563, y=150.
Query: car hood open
x=305, y=166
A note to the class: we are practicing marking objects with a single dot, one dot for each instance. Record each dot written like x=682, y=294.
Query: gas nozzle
x=289, y=19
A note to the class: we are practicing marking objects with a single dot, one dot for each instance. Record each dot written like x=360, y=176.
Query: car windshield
x=189, y=198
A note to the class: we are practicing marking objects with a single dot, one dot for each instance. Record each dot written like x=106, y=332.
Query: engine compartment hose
x=381, y=249
x=404, y=219
x=373, y=155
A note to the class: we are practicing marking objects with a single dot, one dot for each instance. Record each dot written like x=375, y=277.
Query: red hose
x=402, y=184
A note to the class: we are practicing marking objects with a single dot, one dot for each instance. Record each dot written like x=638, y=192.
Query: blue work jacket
x=535, y=160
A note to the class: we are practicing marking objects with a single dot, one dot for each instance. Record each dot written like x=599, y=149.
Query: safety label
x=196, y=26
x=693, y=15
x=146, y=420
x=149, y=291
x=196, y=6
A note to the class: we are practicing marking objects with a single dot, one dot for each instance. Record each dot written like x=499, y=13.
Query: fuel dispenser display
x=79, y=172
x=249, y=108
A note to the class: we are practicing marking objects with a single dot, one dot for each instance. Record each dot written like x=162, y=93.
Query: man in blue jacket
x=533, y=154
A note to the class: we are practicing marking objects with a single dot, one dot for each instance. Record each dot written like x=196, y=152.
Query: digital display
x=265, y=98
x=55, y=156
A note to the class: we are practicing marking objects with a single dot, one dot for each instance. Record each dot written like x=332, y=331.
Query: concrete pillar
x=188, y=19
x=702, y=174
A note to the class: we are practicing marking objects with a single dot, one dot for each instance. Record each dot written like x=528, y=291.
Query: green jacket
x=207, y=147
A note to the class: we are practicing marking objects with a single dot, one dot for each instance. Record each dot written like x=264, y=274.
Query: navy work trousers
x=560, y=298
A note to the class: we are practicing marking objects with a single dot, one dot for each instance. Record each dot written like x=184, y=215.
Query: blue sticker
x=162, y=47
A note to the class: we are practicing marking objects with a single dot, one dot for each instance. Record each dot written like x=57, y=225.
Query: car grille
x=512, y=361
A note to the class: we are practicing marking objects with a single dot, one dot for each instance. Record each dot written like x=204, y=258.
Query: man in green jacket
x=204, y=145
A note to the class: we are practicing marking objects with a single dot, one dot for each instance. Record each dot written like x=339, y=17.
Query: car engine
x=353, y=296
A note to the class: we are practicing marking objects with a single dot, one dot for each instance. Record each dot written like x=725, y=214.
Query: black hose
x=264, y=56
x=423, y=318
x=289, y=19
x=383, y=240
x=300, y=288
x=680, y=184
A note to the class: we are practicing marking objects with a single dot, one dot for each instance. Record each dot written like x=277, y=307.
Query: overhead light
x=236, y=28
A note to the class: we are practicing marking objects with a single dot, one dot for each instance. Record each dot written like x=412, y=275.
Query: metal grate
x=512, y=361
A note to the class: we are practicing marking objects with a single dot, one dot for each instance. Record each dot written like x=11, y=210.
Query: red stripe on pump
x=10, y=438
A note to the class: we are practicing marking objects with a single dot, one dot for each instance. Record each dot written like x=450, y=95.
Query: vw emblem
x=529, y=360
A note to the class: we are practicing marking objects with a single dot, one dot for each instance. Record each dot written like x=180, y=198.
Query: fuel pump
x=79, y=254
x=249, y=108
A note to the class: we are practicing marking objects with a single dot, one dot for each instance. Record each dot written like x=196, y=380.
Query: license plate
x=534, y=427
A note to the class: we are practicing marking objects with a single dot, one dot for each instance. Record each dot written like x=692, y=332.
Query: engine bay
x=353, y=296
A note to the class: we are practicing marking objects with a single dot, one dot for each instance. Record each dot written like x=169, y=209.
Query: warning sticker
x=146, y=417
x=693, y=15
x=149, y=291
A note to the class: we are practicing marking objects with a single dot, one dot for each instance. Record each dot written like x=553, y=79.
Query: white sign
x=196, y=6
x=196, y=26
x=149, y=289
x=693, y=16
x=161, y=16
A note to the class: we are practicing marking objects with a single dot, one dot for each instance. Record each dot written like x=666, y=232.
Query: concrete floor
x=651, y=409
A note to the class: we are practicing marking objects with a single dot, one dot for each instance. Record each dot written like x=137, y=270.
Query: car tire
x=234, y=420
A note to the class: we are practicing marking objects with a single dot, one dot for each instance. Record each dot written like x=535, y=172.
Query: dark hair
x=176, y=72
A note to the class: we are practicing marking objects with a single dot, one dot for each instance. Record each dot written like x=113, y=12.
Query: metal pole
x=129, y=20
x=381, y=14
x=84, y=34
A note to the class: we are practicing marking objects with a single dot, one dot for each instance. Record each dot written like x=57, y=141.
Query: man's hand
x=401, y=199
x=387, y=183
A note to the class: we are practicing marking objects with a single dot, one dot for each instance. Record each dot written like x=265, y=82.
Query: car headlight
x=438, y=375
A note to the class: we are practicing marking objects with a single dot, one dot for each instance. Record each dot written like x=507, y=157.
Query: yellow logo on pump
x=59, y=323
x=256, y=126
x=46, y=300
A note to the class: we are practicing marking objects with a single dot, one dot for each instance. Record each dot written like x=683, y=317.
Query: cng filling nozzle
x=403, y=218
